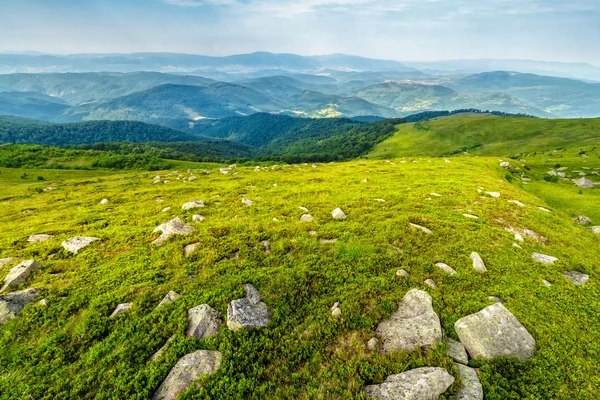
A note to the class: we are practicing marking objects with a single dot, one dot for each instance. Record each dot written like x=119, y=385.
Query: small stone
x=543, y=258
x=249, y=312
x=578, y=278
x=546, y=283
x=402, y=273
x=505, y=165
x=121, y=308
x=306, y=218
x=456, y=351
x=198, y=218
x=43, y=303
x=247, y=202
x=104, y=201
x=583, y=220
x=39, y=238
x=595, y=230
x=380, y=200
x=493, y=194
x=426, y=383
x=471, y=388
x=517, y=202
x=478, y=263
x=435, y=194
x=431, y=283
x=515, y=245
x=170, y=228
x=327, y=241
x=192, y=204
x=166, y=209
x=338, y=214
x=446, y=268
x=519, y=237
x=495, y=299
x=584, y=183
x=203, y=322
x=470, y=216
x=544, y=209
x=312, y=233
x=11, y=304
x=303, y=209
x=224, y=171
x=190, y=249
x=372, y=344
x=422, y=228
x=336, y=312
x=169, y=298
x=78, y=243
x=20, y=273
x=267, y=245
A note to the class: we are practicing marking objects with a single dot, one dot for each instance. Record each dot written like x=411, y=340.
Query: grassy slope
x=500, y=136
x=71, y=349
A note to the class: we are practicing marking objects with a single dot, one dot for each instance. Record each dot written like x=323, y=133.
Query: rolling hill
x=31, y=105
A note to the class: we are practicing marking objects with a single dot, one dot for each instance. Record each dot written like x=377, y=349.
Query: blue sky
x=392, y=29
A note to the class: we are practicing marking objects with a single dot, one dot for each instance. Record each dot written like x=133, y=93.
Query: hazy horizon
x=409, y=30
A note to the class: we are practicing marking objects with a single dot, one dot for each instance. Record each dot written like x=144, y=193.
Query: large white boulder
x=417, y=384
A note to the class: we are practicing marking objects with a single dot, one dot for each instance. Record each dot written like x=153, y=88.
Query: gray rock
x=6, y=261
x=427, y=231
x=456, y=351
x=20, y=273
x=583, y=220
x=248, y=313
x=39, y=238
x=578, y=278
x=336, y=311
x=431, y=283
x=78, y=243
x=192, y=204
x=160, y=351
x=543, y=258
x=478, y=263
x=584, y=183
x=372, y=344
x=495, y=331
x=546, y=283
x=121, y=308
x=306, y=218
x=338, y=214
x=415, y=323
x=446, y=268
x=402, y=273
x=11, y=304
x=169, y=298
x=187, y=370
x=493, y=194
x=190, y=249
x=417, y=384
x=471, y=388
x=198, y=218
x=170, y=228
x=203, y=322
x=505, y=165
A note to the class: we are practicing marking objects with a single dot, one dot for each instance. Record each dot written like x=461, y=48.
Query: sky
x=404, y=30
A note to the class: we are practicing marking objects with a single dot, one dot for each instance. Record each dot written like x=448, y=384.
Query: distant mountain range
x=202, y=87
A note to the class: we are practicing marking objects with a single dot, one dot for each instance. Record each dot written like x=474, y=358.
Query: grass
x=72, y=349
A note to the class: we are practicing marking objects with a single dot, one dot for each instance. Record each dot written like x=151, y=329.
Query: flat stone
x=478, y=263
x=20, y=273
x=203, y=322
x=306, y=218
x=402, y=273
x=446, y=268
x=413, y=324
x=519, y=237
x=192, y=204
x=471, y=388
x=249, y=312
x=584, y=183
x=169, y=298
x=517, y=202
x=327, y=241
x=121, y=308
x=456, y=351
x=544, y=209
x=338, y=214
x=170, y=228
x=595, y=230
x=543, y=258
x=303, y=209
x=431, y=283
x=495, y=331
x=470, y=216
x=187, y=371
x=39, y=238
x=546, y=283
x=198, y=218
x=578, y=278
x=11, y=304
x=583, y=220
x=247, y=202
x=426, y=383
x=77, y=243
x=505, y=165
x=190, y=249
x=166, y=209
x=422, y=228
x=493, y=194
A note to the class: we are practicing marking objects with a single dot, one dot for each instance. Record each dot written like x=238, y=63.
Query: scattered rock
x=543, y=258
x=336, y=311
x=402, y=273
x=578, y=278
x=249, y=313
x=187, y=371
x=247, y=202
x=11, y=304
x=505, y=165
x=456, y=351
x=170, y=228
x=203, y=322
x=190, y=249
x=414, y=324
x=121, y=308
x=104, y=202
x=20, y=273
x=417, y=384
x=306, y=218
x=493, y=194
x=546, y=283
x=431, y=283
x=470, y=216
x=169, y=298
x=224, y=171
x=584, y=183
x=495, y=331
x=303, y=209
x=193, y=204
x=427, y=231
x=78, y=243
x=198, y=218
x=446, y=268
x=471, y=388
x=39, y=238
x=478, y=263
x=517, y=202
x=583, y=220
x=338, y=214
x=372, y=344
